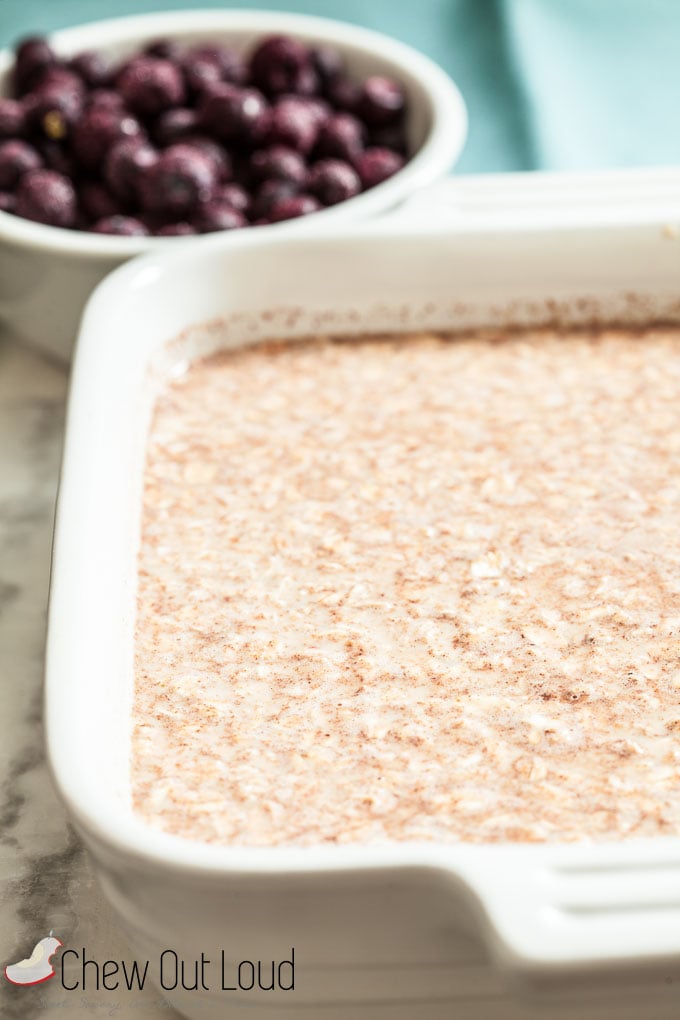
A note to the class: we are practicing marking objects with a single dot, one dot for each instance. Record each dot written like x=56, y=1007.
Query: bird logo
x=37, y=967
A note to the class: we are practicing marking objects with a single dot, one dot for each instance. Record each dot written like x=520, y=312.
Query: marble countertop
x=46, y=881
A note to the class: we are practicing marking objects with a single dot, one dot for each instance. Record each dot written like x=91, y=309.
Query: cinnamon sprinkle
x=424, y=588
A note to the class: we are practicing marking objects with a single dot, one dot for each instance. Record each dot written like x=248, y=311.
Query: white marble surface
x=45, y=877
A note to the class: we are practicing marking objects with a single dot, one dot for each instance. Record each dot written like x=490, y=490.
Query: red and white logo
x=37, y=967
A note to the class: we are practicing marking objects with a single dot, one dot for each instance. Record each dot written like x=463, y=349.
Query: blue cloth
x=600, y=80
x=548, y=83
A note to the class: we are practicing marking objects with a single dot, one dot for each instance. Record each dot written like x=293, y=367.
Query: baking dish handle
x=574, y=906
x=525, y=201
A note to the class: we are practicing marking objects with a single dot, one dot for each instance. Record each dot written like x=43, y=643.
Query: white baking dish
x=412, y=930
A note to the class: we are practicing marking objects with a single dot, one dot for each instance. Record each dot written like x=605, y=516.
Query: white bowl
x=416, y=930
x=47, y=273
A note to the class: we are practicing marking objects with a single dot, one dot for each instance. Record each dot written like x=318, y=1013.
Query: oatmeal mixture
x=414, y=589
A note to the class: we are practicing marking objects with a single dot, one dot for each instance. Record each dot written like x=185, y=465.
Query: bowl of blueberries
x=120, y=136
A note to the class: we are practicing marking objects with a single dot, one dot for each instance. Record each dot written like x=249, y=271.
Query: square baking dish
x=411, y=930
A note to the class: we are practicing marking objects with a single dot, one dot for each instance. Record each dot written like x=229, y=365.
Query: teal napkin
x=600, y=80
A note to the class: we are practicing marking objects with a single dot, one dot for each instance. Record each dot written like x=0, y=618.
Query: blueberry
x=199, y=73
x=96, y=132
x=231, y=65
x=61, y=79
x=235, y=115
x=342, y=136
x=294, y=123
x=333, y=181
x=150, y=85
x=376, y=165
x=316, y=107
x=390, y=137
x=240, y=160
x=206, y=65
x=56, y=156
x=235, y=196
x=33, y=57
x=291, y=208
x=174, y=125
x=47, y=197
x=63, y=75
x=165, y=49
x=280, y=163
x=124, y=165
x=8, y=202
x=277, y=63
x=181, y=229
x=218, y=215
x=153, y=220
x=234, y=67
x=53, y=110
x=216, y=152
x=105, y=98
x=308, y=82
x=12, y=118
x=212, y=88
x=269, y=195
x=92, y=68
x=382, y=101
x=16, y=159
x=181, y=179
x=343, y=93
x=125, y=226
x=96, y=201
x=327, y=62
